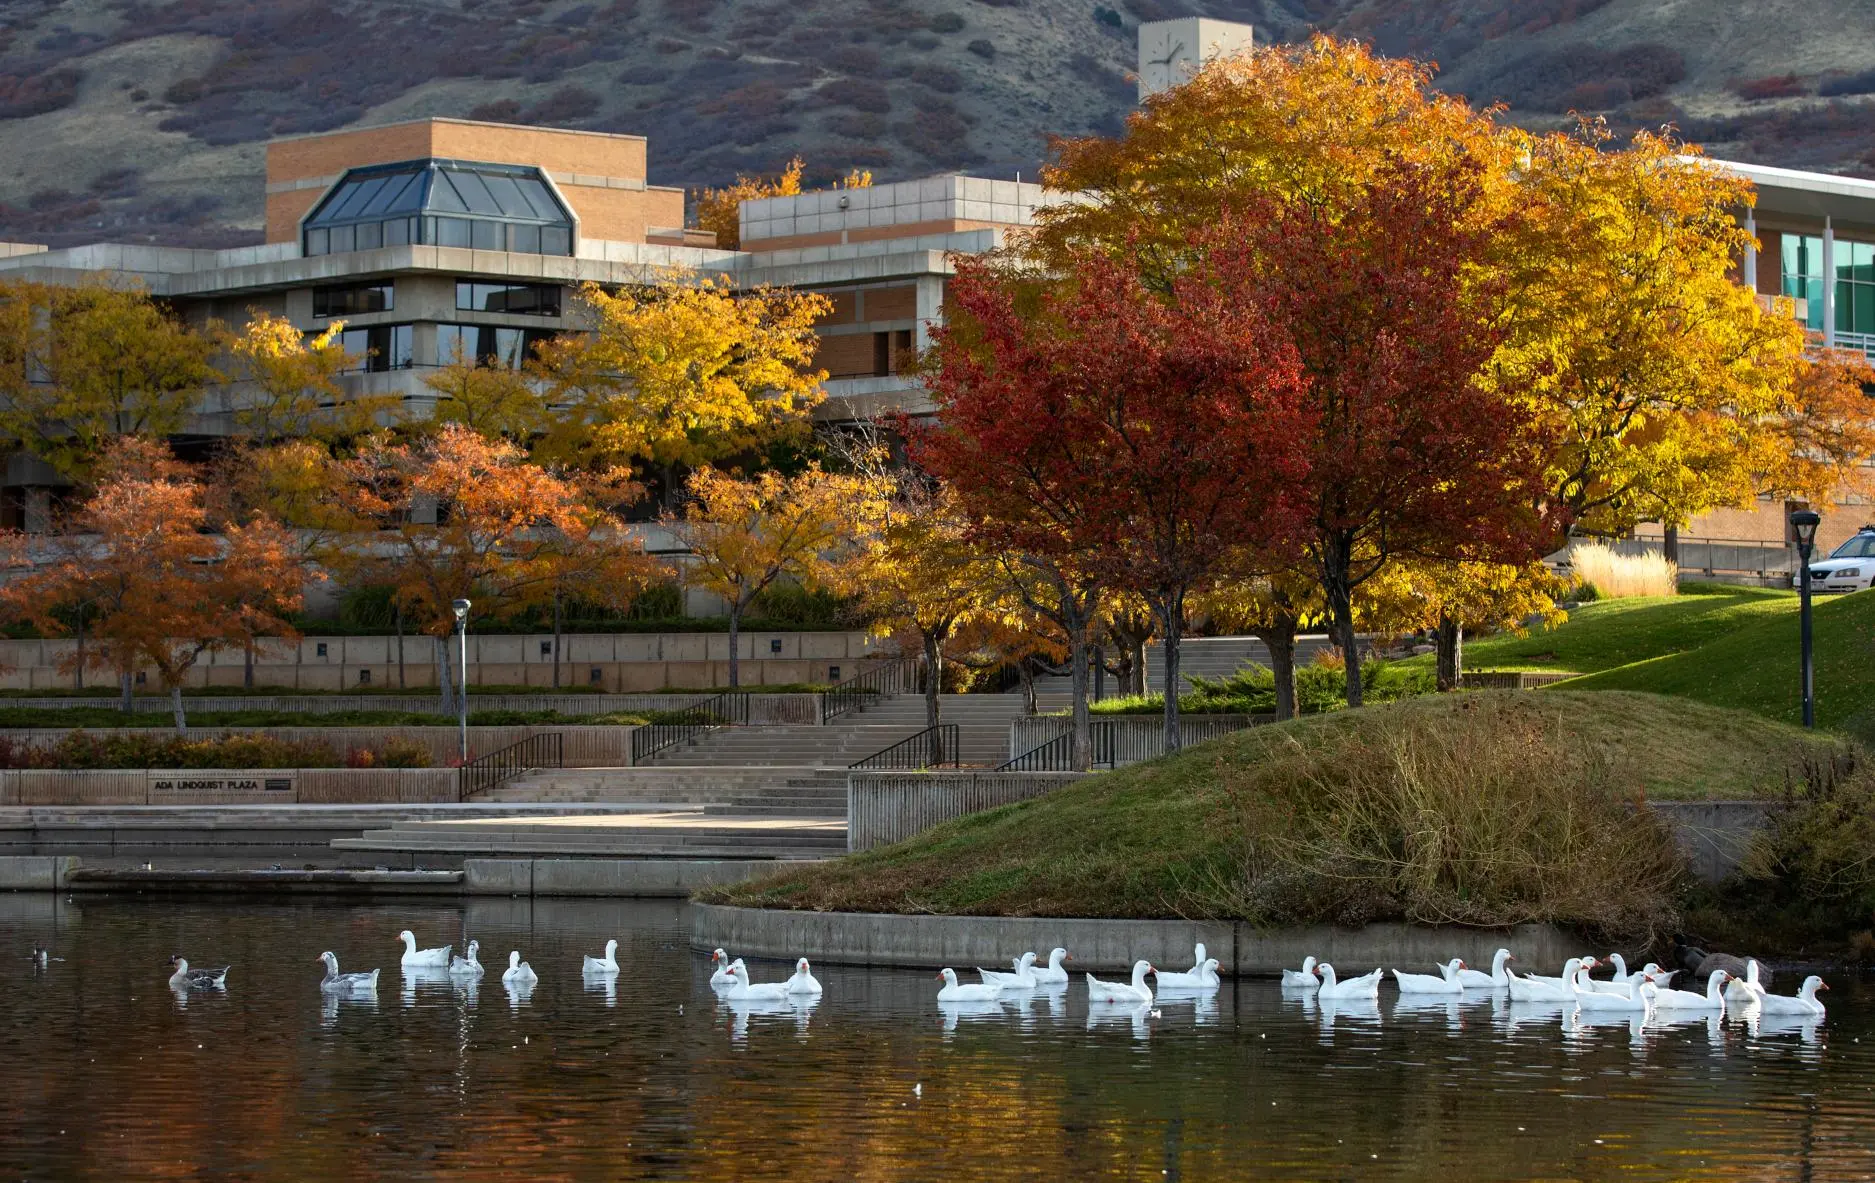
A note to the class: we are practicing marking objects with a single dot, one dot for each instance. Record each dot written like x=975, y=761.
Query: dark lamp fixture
x=1805, y=522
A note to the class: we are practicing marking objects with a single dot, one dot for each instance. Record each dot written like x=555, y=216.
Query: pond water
x=108, y=1074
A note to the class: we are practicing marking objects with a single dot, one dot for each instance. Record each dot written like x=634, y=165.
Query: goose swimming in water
x=415, y=958
x=803, y=981
x=1497, y=979
x=468, y=965
x=196, y=979
x=351, y=983
x=601, y=965
x=519, y=973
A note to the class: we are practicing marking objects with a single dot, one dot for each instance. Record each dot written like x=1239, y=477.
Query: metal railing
x=862, y=690
x=934, y=747
x=1118, y=742
x=1057, y=755
x=545, y=750
x=1720, y=556
x=728, y=709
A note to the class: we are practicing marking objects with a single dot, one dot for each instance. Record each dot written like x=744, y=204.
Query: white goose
x=1136, y=994
x=1713, y=999
x=1530, y=988
x=196, y=979
x=1053, y=974
x=1497, y=979
x=723, y=979
x=743, y=990
x=803, y=981
x=467, y=965
x=1805, y=1002
x=1634, y=997
x=599, y=966
x=951, y=991
x=1568, y=976
x=415, y=958
x=1201, y=978
x=351, y=983
x=1444, y=982
x=1750, y=989
x=1302, y=979
x=1022, y=979
x=519, y=973
x=1365, y=986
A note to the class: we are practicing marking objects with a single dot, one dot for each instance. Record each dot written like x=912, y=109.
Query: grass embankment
x=1487, y=808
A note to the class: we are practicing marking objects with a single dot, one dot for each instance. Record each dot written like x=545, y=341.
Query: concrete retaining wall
x=623, y=661
x=1715, y=834
x=857, y=938
x=222, y=786
x=581, y=747
x=887, y=807
x=1491, y=680
x=763, y=708
x=1134, y=737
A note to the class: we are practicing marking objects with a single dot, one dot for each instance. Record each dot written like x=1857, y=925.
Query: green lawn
x=1611, y=633
x=1174, y=836
x=1753, y=665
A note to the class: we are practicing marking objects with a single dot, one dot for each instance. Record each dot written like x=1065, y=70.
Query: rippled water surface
x=107, y=1074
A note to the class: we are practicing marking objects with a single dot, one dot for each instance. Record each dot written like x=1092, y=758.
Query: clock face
x=1163, y=57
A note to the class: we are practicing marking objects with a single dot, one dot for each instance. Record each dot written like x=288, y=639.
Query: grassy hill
x=1490, y=808
x=156, y=109
x=1601, y=636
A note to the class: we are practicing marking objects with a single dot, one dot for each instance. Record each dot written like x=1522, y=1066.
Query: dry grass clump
x=1618, y=576
x=1483, y=815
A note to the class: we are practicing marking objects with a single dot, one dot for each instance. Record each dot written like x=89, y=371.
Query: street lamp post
x=462, y=682
x=1803, y=523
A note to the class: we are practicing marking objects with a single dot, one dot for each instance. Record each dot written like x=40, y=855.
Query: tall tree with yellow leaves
x=745, y=534
x=495, y=402
x=82, y=366
x=281, y=384
x=683, y=374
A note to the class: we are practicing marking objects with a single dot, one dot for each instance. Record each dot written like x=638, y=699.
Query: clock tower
x=1172, y=51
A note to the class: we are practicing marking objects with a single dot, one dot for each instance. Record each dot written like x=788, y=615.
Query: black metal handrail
x=544, y=750
x=934, y=747
x=1057, y=755
x=728, y=709
x=864, y=689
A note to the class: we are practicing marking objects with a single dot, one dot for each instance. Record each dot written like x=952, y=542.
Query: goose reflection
x=1114, y=1013
x=978, y=1010
x=1361, y=1012
x=332, y=1005
x=426, y=978
x=1711, y=1021
x=465, y=991
x=799, y=1006
x=1203, y=1007
x=1807, y=1028
x=1429, y=1006
x=1045, y=1001
x=1579, y=1026
x=520, y=993
x=603, y=985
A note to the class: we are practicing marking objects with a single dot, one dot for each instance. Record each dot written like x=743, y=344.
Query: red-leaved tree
x=1410, y=452
x=1128, y=437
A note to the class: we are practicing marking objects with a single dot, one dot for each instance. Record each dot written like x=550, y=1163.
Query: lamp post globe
x=1803, y=524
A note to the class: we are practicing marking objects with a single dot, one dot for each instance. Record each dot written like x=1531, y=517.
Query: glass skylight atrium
x=489, y=207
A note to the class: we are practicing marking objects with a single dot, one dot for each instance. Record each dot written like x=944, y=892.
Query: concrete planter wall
x=225, y=786
x=1715, y=834
x=581, y=747
x=1488, y=680
x=625, y=661
x=1109, y=946
x=1135, y=737
x=887, y=807
x=763, y=708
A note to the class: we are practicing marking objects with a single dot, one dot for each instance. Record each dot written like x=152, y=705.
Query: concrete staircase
x=982, y=720
x=747, y=790
x=1219, y=657
x=675, y=835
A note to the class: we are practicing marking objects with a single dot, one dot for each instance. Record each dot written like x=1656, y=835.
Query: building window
x=490, y=207
x=526, y=299
x=1854, y=263
x=378, y=348
x=488, y=345
x=353, y=300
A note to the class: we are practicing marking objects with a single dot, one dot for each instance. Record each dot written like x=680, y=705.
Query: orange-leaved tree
x=463, y=517
x=744, y=534
x=161, y=591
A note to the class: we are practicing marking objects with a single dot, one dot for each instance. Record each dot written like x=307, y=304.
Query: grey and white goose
x=351, y=983
x=185, y=978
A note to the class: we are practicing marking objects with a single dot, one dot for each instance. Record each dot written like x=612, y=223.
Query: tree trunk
x=1026, y=674
x=1281, y=641
x=556, y=637
x=175, y=709
x=1449, y=645
x=933, y=683
x=123, y=684
x=735, y=633
x=1083, y=757
x=1670, y=544
x=1337, y=558
x=1136, y=658
x=1171, y=614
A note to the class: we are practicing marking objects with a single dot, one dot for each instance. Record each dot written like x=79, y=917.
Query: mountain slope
x=143, y=119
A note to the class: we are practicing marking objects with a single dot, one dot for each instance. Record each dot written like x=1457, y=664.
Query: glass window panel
x=386, y=296
x=335, y=205
x=360, y=198
x=397, y=232
x=452, y=232
x=382, y=200
x=1792, y=248
x=1813, y=292
x=524, y=239
x=507, y=195
x=508, y=345
x=342, y=239
x=317, y=242
x=489, y=236
x=370, y=235
x=538, y=197
x=400, y=347
x=473, y=191
x=556, y=240
x=443, y=195
x=465, y=294
x=450, y=344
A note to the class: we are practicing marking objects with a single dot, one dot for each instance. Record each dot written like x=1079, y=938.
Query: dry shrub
x=1815, y=860
x=1616, y=576
x=1482, y=817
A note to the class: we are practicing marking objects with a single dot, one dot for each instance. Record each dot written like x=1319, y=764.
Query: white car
x=1850, y=567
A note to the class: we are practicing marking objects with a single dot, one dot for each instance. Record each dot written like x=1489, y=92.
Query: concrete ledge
x=647, y=878
x=860, y=938
x=34, y=872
